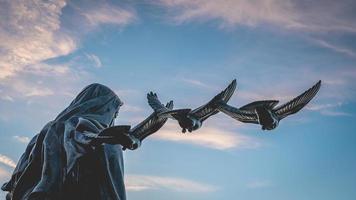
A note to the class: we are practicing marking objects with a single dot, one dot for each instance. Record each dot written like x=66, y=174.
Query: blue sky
x=188, y=51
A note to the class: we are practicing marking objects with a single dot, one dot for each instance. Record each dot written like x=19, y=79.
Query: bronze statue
x=78, y=155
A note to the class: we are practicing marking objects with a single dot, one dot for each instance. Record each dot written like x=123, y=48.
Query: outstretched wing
x=155, y=103
x=209, y=109
x=270, y=104
x=177, y=114
x=297, y=103
x=150, y=125
x=246, y=116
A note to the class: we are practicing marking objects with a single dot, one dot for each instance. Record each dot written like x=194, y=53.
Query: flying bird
x=266, y=113
x=189, y=119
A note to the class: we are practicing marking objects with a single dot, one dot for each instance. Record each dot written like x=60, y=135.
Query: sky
x=188, y=51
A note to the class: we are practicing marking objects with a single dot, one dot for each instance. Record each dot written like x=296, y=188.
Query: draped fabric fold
x=60, y=162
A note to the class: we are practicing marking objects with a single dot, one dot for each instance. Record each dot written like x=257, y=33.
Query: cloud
x=95, y=59
x=259, y=184
x=335, y=48
x=105, y=13
x=7, y=98
x=209, y=137
x=145, y=182
x=32, y=34
x=7, y=161
x=335, y=113
x=318, y=107
x=231, y=13
x=22, y=139
x=21, y=87
x=290, y=14
x=328, y=109
x=198, y=83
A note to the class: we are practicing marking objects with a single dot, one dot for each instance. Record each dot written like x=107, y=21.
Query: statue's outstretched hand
x=118, y=135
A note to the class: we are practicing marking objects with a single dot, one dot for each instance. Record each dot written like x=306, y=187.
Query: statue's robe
x=61, y=163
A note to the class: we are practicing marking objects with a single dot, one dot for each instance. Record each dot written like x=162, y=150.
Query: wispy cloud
x=197, y=83
x=286, y=14
x=104, y=13
x=145, y=182
x=31, y=34
x=95, y=59
x=329, y=109
x=319, y=107
x=335, y=113
x=240, y=12
x=259, y=184
x=7, y=98
x=25, y=89
x=7, y=161
x=208, y=137
x=22, y=139
x=336, y=48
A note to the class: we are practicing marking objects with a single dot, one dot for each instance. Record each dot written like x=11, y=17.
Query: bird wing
x=209, y=109
x=265, y=103
x=155, y=103
x=246, y=116
x=297, y=103
x=151, y=124
x=175, y=114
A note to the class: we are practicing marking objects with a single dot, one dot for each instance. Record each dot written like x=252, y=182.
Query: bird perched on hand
x=189, y=119
x=131, y=138
x=266, y=113
x=152, y=123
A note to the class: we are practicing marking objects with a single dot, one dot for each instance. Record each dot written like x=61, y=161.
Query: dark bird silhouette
x=189, y=119
x=266, y=113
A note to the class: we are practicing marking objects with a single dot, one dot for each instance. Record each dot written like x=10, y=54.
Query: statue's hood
x=96, y=102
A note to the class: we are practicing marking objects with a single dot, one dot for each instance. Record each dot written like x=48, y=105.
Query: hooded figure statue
x=69, y=159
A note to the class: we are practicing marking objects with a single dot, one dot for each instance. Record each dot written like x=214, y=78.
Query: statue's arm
x=84, y=132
